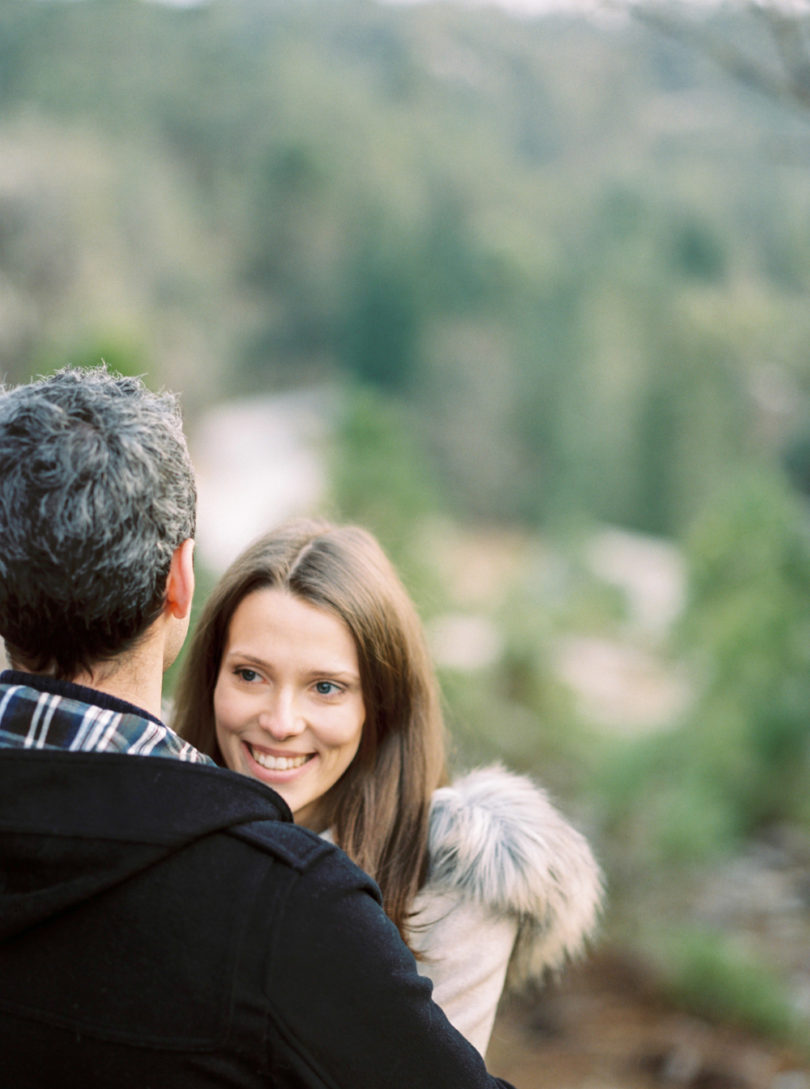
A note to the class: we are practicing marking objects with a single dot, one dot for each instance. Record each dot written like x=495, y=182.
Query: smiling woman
x=288, y=703
x=336, y=584
x=309, y=671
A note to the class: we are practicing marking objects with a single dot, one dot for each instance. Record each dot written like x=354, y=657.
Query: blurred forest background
x=529, y=297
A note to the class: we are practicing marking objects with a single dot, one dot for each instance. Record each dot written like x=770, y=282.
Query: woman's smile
x=279, y=762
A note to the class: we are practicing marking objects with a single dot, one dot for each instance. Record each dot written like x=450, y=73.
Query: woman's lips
x=279, y=764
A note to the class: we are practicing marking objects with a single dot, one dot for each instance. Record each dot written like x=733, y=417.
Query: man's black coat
x=166, y=925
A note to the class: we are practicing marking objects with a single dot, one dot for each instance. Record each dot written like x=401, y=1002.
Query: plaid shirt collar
x=39, y=712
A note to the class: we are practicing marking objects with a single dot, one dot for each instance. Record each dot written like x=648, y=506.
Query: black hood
x=75, y=824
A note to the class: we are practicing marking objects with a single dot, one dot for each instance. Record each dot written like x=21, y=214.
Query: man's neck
x=135, y=694
x=136, y=678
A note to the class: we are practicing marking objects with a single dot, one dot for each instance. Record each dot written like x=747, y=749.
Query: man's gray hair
x=96, y=492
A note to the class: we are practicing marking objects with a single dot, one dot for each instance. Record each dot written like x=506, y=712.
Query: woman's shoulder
x=496, y=838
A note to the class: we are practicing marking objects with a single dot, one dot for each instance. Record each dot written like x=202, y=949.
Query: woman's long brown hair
x=379, y=808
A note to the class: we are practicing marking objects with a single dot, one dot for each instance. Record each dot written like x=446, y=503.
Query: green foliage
x=697, y=252
x=122, y=351
x=381, y=319
x=378, y=473
x=661, y=803
x=380, y=478
x=711, y=975
x=747, y=628
x=566, y=287
x=738, y=760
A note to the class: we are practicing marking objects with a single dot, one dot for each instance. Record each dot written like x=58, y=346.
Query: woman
x=308, y=670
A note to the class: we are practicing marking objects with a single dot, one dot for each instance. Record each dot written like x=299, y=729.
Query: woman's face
x=288, y=702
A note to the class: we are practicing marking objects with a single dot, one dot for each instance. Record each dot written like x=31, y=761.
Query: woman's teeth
x=278, y=763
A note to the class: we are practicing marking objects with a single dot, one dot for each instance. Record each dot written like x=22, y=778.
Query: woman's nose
x=280, y=718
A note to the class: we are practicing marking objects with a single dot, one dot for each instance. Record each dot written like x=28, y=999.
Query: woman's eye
x=326, y=688
x=247, y=674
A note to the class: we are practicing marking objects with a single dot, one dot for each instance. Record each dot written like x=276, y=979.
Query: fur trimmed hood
x=496, y=838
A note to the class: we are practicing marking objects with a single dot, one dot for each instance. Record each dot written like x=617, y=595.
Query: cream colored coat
x=513, y=892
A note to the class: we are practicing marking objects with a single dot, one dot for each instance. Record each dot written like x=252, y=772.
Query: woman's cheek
x=226, y=707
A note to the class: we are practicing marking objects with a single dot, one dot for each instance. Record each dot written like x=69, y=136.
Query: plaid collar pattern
x=33, y=718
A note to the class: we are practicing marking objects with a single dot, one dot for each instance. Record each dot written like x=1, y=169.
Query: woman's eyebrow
x=339, y=673
x=243, y=655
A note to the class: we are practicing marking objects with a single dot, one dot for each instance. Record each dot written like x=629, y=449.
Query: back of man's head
x=96, y=493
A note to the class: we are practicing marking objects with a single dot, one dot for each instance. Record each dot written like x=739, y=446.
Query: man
x=162, y=921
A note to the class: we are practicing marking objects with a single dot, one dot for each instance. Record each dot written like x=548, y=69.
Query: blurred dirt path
x=604, y=1027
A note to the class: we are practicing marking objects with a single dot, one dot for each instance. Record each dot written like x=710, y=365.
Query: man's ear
x=180, y=583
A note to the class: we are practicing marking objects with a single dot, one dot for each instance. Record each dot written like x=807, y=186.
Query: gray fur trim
x=496, y=837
